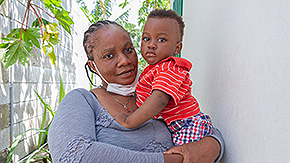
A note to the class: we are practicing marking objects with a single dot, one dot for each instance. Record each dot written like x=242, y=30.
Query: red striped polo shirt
x=170, y=76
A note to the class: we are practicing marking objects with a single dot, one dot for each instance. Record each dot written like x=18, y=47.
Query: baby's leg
x=191, y=129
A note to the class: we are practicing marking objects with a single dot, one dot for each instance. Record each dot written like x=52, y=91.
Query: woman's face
x=114, y=55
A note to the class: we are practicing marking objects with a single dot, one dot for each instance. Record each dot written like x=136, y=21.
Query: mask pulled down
x=125, y=90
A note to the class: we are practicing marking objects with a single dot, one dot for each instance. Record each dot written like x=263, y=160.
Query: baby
x=164, y=88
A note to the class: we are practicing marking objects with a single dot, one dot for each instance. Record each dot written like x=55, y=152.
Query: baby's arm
x=152, y=106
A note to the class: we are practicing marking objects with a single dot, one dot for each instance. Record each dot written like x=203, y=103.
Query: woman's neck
x=110, y=101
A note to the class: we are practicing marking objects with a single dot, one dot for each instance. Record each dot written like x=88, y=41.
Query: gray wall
x=240, y=51
x=40, y=75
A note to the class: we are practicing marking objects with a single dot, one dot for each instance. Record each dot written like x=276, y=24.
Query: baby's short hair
x=162, y=13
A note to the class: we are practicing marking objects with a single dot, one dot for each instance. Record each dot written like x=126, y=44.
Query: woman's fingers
x=175, y=149
x=205, y=150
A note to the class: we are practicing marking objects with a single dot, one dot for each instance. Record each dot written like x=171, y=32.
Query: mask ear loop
x=99, y=74
x=88, y=73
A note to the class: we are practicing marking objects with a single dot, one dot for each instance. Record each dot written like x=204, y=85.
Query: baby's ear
x=178, y=48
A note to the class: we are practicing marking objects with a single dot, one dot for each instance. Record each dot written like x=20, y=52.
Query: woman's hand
x=172, y=158
x=205, y=150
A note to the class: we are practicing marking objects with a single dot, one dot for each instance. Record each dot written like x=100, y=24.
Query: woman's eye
x=161, y=39
x=108, y=56
x=129, y=50
x=146, y=39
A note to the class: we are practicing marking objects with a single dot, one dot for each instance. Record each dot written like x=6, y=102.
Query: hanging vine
x=19, y=43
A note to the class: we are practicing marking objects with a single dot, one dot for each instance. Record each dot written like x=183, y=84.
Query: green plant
x=101, y=11
x=19, y=43
x=43, y=130
x=136, y=31
x=148, y=6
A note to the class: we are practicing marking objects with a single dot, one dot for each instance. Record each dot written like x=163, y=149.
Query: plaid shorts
x=190, y=129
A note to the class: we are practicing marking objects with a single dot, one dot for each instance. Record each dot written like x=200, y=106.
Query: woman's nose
x=124, y=60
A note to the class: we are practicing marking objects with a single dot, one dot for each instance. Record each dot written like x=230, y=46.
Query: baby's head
x=162, y=35
x=169, y=14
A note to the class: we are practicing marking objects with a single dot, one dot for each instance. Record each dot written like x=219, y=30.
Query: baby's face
x=160, y=39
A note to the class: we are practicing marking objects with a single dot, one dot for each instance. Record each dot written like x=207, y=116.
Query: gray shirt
x=83, y=131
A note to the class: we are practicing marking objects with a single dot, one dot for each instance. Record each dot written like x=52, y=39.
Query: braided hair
x=89, y=44
x=162, y=13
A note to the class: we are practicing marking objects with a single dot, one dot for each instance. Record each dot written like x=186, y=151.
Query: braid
x=90, y=44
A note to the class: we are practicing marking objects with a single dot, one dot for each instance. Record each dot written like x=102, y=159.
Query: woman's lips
x=126, y=73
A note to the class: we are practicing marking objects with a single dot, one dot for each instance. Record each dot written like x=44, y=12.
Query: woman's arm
x=207, y=150
x=152, y=106
x=72, y=136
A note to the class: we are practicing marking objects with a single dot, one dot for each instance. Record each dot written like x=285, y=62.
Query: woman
x=84, y=130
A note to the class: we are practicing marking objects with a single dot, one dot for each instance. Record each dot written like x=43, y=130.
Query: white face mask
x=125, y=90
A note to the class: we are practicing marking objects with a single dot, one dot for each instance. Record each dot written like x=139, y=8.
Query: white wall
x=241, y=56
x=81, y=24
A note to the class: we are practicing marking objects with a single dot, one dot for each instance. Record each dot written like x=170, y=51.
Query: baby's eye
x=146, y=39
x=161, y=40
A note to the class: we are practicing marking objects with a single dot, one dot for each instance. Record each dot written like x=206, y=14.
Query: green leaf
x=45, y=150
x=32, y=34
x=61, y=89
x=17, y=140
x=54, y=41
x=123, y=5
x=4, y=45
x=36, y=23
x=42, y=157
x=52, y=3
x=123, y=17
x=9, y=39
x=32, y=155
x=46, y=107
x=47, y=2
x=45, y=104
x=40, y=141
x=52, y=57
x=50, y=38
x=16, y=50
x=1, y=1
x=15, y=33
x=63, y=19
x=56, y=3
